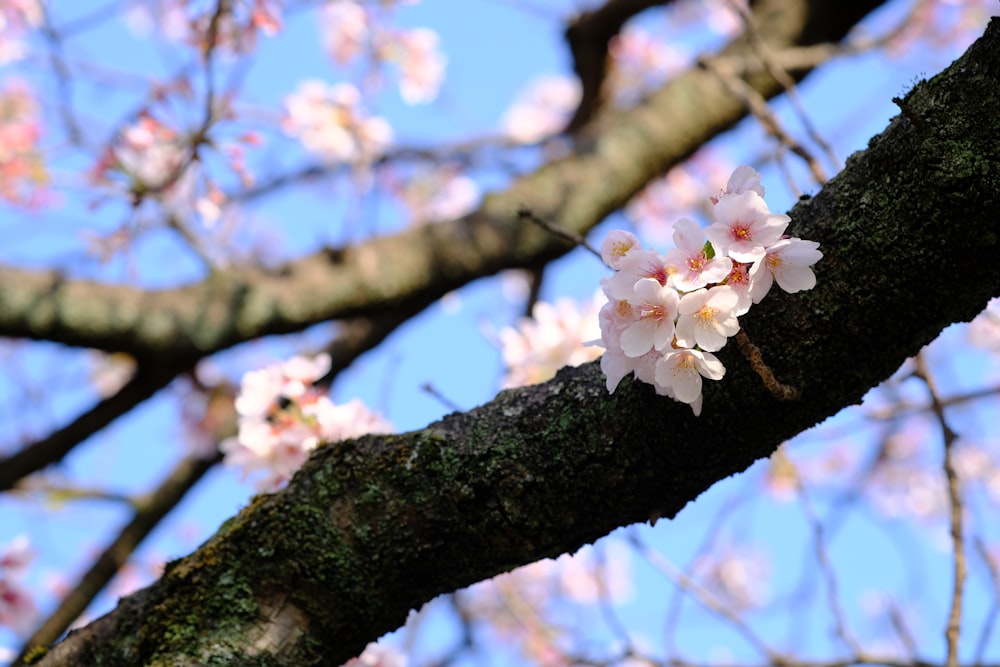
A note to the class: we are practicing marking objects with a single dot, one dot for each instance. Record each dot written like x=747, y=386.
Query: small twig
x=780, y=75
x=899, y=625
x=705, y=598
x=444, y=400
x=151, y=510
x=994, y=612
x=782, y=392
x=757, y=106
x=525, y=213
x=826, y=570
x=953, y=628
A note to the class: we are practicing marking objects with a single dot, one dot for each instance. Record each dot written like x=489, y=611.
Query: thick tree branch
x=374, y=527
x=616, y=156
x=152, y=510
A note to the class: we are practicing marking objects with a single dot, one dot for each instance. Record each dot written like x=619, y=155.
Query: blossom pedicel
x=667, y=313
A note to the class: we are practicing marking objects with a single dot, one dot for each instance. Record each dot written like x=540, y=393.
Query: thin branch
x=705, y=598
x=994, y=612
x=525, y=213
x=589, y=36
x=147, y=381
x=953, y=627
x=827, y=572
x=757, y=105
x=766, y=56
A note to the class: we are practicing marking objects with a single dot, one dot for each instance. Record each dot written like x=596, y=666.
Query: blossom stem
x=782, y=392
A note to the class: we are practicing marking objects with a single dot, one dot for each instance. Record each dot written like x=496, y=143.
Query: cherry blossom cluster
x=666, y=314
x=17, y=609
x=283, y=416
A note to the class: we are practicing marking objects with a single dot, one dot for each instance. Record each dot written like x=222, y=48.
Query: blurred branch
x=589, y=35
x=994, y=611
x=148, y=379
x=758, y=106
x=953, y=628
x=705, y=598
x=621, y=152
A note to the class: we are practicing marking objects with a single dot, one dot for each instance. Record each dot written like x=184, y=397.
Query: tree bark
x=374, y=527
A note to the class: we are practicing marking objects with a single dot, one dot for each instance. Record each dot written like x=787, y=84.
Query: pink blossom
x=707, y=318
x=744, y=227
x=329, y=122
x=740, y=575
x=616, y=246
x=16, y=18
x=589, y=576
x=744, y=179
x=654, y=329
x=787, y=262
x=16, y=556
x=421, y=63
x=555, y=335
x=636, y=265
x=282, y=417
x=542, y=110
x=345, y=27
x=17, y=609
x=376, y=655
x=641, y=61
x=739, y=281
x=692, y=269
x=682, y=369
x=149, y=153
x=347, y=420
x=436, y=195
x=984, y=330
x=23, y=176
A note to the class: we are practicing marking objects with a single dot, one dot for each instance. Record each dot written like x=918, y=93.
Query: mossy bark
x=372, y=528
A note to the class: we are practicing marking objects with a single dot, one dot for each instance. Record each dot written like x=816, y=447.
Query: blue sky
x=494, y=48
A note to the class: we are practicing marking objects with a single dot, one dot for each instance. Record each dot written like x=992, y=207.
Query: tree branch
x=373, y=527
x=616, y=156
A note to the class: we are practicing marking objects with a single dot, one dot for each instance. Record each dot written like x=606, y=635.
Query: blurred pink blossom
x=16, y=18
x=541, y=110
x=553, y=337
x=376, y=655
x=740, y=575
x=984, y=330
x=328, y=121
x=345, y=28
x=640, y=61
x=17, y=608
x=420, y=61
x=23, y=176
x=436, y=195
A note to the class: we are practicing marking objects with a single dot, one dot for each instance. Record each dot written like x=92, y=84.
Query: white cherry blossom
x=788, y=263
x=707, y=318
x=744, y=227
